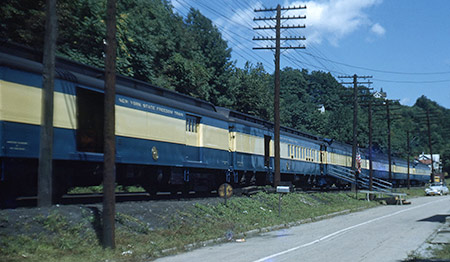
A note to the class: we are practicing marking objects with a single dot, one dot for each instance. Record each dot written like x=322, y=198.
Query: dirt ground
x=155, y=214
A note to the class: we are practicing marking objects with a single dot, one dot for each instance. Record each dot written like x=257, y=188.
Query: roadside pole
x=45, y=170
x=109, y=166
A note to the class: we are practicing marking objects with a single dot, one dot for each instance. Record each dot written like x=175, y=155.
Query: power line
x=231, y=38
x=412, y=82
x=381, y=71
x=230, y=33
x=278, y=18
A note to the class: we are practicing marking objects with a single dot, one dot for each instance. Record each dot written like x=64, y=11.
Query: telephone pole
x=407, y=159
x=277, y=48
x=429, y=143
x=45, y=170
x=389, y=138
x=429, y=117
x=370, y=147
x=109, y=164
x=355, y=120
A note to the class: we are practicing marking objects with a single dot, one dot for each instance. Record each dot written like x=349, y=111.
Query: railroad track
x=92, y=198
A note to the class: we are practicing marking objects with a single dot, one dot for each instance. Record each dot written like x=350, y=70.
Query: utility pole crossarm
x=281, y=27
x=281, y=9
x=266, y=38
x=277, y=39
x=282, y=18
x=355, y=84
x=283, y=47
x=348, y=83
x=354, y=76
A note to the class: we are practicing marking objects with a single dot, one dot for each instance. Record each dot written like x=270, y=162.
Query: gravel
x=155, y=214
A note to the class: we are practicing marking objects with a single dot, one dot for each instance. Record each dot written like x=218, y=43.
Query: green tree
x=250, y=91
x=22, y=21
x=216, y=55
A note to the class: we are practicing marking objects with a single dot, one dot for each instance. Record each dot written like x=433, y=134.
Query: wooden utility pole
x=408, y=181
x=370, y=148
x=109, y=166
x=355, y=128
x=389, y=139
x=278, y=47
x=45, y=170
x=355, y=122
x=429, y=144
x=430, y=116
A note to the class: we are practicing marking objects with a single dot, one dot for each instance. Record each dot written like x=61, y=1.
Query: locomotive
x=165, y=141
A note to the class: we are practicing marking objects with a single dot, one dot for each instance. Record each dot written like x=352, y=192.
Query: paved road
x=385, y=233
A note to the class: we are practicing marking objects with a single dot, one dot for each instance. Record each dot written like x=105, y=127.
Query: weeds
x=64, y=240
x=99, y=189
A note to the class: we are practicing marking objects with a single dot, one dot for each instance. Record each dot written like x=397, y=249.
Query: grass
x=416, y=191
x=412, y=192
x=99, y=189
x=64, y=240
x=443, y=252
x=438, y=253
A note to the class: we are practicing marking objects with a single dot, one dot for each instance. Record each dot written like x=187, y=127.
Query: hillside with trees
x=189, y=55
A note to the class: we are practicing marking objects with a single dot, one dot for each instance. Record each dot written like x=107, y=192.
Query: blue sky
x=403, y=44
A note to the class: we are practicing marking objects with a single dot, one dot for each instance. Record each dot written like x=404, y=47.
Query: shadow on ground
x=435, y=218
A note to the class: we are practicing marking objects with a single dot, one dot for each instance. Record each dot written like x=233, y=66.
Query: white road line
x=344, y=230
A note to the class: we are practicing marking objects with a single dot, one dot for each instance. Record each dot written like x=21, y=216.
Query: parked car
x=437, y=188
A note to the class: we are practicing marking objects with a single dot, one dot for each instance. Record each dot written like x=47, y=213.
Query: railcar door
x=267, y=151
x=323, y=159
x=193, y=132
x=89, y=136
x=232, y=146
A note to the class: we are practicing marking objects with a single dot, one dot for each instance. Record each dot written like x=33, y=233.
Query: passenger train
x=165, y=141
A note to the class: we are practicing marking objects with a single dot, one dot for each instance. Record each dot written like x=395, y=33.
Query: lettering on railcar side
x=16, y=145
x=135, y=103
x=150, y=107
x=123, y=100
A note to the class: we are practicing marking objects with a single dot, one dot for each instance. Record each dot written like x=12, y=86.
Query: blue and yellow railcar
x=252, y=150
x=164, y=140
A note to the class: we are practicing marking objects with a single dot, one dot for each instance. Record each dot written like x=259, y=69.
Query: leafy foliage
x=250, y=90
x=190, y=56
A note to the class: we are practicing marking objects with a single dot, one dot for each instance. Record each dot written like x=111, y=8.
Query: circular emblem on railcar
x=155, y=153
x=225, y=189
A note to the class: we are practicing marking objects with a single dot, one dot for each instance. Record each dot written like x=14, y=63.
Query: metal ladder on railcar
x=348, y=175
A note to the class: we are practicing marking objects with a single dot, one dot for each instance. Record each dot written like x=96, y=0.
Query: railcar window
x=192, y=124
x=89, y=121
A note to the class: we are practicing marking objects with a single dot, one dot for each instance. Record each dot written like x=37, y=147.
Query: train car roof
x=64, y=65
x=239, y=117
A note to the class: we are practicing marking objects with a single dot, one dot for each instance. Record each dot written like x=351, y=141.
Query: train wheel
x=152, y=190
